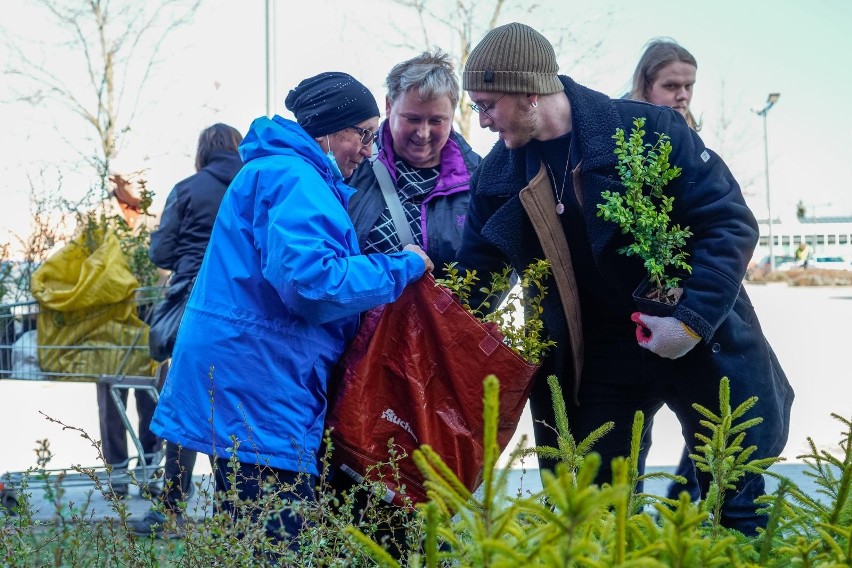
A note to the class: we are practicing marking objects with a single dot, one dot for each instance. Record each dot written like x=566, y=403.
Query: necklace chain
x=560, y=207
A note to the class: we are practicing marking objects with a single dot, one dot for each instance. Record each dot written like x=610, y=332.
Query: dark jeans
x=177, y=477
x=281, y=525
x=686, y=469
x=620, y=378
x=113, y=433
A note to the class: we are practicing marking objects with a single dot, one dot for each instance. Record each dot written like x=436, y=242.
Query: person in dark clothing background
x=665, y=75
x=179, y=245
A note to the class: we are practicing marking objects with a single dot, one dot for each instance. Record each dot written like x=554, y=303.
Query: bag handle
x=403, y=230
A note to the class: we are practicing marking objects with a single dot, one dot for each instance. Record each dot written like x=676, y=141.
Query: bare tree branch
x=119, y=43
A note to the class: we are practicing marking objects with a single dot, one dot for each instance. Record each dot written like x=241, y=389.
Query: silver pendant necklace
x=560, y=207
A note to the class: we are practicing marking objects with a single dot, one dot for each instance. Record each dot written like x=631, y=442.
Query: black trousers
x=252, y=480
x=620, y=378
x=177, y=477
x=113, y=433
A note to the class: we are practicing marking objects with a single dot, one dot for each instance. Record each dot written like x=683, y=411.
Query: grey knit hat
x=512, y=59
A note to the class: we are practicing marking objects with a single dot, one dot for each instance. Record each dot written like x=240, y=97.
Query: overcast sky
x=213, y=70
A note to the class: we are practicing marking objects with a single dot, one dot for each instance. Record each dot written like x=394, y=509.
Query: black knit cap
x=330, y=102
x=512, y=59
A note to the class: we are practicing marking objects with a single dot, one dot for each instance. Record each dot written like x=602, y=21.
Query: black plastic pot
x=649, y=306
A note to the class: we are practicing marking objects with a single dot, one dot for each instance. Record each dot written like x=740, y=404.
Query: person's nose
x=423, y=130
x=485, y=119
x=366, y=150
x=682, y=94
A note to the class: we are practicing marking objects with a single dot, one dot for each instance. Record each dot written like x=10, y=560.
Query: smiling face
x=347, y=147
x=419, y=128
x=673, y=86
x=507, y=114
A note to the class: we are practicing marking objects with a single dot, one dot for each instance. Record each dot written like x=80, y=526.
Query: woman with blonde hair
x=665, y=76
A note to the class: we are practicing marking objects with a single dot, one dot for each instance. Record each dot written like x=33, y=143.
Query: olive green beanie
x=512, y=59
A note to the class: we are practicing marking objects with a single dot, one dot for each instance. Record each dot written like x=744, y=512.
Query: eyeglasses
x=485, y=108
x=367, y=135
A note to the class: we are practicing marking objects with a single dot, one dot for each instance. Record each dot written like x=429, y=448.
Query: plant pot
x=651, y=306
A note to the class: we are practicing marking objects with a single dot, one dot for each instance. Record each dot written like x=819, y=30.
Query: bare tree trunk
x=117, y=43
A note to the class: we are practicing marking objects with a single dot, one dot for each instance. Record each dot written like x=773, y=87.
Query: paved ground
x=808, y=327
x=81, y=497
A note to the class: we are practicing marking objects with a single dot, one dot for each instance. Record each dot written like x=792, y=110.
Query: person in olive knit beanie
x=536, y=195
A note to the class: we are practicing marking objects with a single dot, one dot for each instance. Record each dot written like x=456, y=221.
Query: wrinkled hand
x=667, y=337
x=416, y=249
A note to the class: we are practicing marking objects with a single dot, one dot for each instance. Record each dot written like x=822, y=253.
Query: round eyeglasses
x=483, y=109
x=367, y=135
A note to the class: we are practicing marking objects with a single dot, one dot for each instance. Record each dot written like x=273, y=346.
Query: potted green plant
x=524, y=337
x=642, y=211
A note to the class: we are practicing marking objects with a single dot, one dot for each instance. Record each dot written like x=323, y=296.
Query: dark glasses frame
x=367, y=135
x=480, y=109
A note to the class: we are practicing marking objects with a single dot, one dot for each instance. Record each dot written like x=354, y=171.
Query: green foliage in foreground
x=574, y=522
x=570, y=522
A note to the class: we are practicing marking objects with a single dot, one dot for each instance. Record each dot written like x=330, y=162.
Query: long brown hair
x=658, y=53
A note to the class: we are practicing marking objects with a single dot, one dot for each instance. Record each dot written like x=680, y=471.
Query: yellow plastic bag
x=88, y=323
x=75, y=279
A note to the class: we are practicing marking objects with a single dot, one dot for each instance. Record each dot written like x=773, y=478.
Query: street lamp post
x=770, y=102
x=270, y=57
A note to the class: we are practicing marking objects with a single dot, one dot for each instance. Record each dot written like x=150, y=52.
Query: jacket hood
x=278, y=136
x=224, y=165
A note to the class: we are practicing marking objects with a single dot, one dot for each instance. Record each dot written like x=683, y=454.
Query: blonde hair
x=658, y=53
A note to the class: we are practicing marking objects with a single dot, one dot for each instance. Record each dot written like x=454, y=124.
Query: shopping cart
x=106, y=344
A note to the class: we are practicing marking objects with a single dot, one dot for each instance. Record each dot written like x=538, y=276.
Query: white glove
x=668, y=337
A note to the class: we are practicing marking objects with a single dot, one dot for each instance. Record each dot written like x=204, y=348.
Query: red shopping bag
x=414, y=373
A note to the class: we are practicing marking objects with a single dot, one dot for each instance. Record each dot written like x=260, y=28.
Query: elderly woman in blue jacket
x=278, y=297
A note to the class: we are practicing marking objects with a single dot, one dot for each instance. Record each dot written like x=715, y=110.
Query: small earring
x=534, y=104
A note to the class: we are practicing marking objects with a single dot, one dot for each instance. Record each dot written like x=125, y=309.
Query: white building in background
x=828, y=236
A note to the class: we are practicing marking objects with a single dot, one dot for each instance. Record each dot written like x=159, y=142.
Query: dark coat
x=444, y=209
x=181, y=239
x=708, y=200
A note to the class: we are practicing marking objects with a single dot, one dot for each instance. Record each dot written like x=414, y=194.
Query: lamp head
x=770, y=102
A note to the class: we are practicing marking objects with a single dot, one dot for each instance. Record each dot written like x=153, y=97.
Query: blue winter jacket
x=275, y=302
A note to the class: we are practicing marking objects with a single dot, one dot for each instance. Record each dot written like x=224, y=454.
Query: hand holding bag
x=165, y=320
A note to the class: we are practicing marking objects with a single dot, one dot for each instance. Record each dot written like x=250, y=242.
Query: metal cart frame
x=119, y=362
